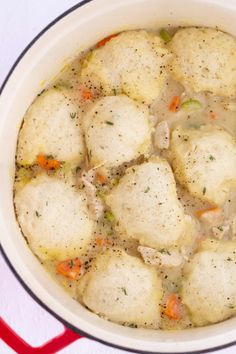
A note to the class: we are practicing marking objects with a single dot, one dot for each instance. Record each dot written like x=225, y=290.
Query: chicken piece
x=221, y=231
x=96, y=204
x=162, y=135
x=162, y=258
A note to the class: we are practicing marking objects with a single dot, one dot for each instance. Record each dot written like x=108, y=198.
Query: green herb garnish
x=165, y=35
x=165, y=251
x=133, y=325
x=124, y=290
x=71, y=264
x=204, y=191
x=109, y=216
x=37, y=214
x=212, y=158
x=147, y=190
x=73, y=115
x=108, y=122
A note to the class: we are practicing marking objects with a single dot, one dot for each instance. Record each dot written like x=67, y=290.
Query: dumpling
x=123, y=289
x=146, y=206
x=133, y=63
x=204, y=161
x=51, y=127
x=54, y=218
x=209, y=285
x=117, y=130
x=204, y=59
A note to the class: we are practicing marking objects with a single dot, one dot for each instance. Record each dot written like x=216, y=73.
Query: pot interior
x=69, y=36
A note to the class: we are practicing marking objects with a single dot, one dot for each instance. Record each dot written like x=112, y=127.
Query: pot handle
x=13, y=340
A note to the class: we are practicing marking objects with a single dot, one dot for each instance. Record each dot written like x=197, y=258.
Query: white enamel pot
x=75, y=30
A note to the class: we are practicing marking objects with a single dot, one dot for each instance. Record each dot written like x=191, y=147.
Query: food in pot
x=125, y=183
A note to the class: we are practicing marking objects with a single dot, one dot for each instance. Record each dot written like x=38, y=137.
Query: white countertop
x=20, y=21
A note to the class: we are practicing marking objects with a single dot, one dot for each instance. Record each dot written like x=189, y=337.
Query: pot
x=72, y=32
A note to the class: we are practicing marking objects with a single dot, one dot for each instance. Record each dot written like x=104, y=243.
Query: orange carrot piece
x=174, y=104
x=173, y=307
x=200, y=213
x=70, y=268
x=47, y=163
x=213, y=115
x=87, y=95
x=101, y=179
x=100, y=241
x=105, y=40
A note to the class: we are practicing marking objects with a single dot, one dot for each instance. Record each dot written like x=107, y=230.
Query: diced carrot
x=174, y=104
x=87, y=95
x=204, y=212
x=100, y=178
x=213, y=115
x=105, y=40
x=70, y=268
x=100, y=241
x=173, y=307
x=48, y=163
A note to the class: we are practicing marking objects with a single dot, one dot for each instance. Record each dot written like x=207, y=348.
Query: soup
x=126, y=177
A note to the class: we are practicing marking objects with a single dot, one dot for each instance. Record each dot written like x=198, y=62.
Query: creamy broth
x=214, y=110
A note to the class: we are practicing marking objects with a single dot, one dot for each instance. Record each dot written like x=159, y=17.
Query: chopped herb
x=229, y=259
x=165, y=35
x=114, y=91
x=220, y=228
x=204, y=191
x=115, y=181
x=212, y=158
x=49, y=157
x=71, y=263
x=165, y=251
x=191, y=105
x=109, y=122
x=37, y=214
x=133, y=325
x=147, y=190
x=124, y=290
x=73, y=115
x=109, y=216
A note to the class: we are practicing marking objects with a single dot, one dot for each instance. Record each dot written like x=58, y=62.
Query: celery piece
x=165, y=35
x=191, y=105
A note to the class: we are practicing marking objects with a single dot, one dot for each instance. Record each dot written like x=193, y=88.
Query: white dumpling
x=133, y=63
x=123, y=289
x=209, y=283
x=117, y=130
x=51, y=127
x=146, y=206
x=204, y=59
x=204, y=161
x=54, y=218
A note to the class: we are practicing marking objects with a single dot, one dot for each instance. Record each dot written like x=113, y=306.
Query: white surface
x=20, y=21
